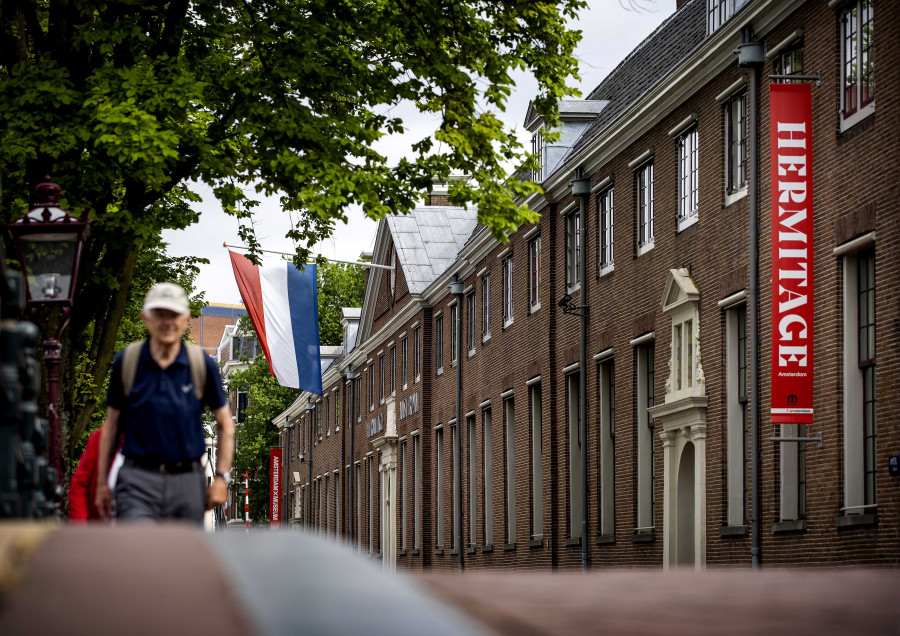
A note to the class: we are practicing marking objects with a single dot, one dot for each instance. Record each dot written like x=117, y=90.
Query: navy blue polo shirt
x=161, y=419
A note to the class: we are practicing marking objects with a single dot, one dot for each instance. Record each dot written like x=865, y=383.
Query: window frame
x=508, y=290
x=737, y=133
x=485, y=307
x=864, y=107
x=644, y=204
x=688, y=178
x=534, y=272
x=573, y=249
x=606, y=230
x=439, y=344
x=470, y=321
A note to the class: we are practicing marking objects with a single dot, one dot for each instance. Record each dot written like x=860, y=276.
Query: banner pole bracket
x=815, y=438
x=817, y=78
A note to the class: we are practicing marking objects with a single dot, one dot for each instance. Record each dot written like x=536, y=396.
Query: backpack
x=195, y=360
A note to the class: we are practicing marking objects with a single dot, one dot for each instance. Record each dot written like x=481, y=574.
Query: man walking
x=156, y=397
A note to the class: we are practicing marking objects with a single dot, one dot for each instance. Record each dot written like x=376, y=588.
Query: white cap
x=167, y=296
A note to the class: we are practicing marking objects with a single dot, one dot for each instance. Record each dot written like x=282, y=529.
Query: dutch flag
x=283, y=305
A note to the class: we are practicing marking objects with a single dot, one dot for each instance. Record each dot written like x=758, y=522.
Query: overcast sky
x=610, y=30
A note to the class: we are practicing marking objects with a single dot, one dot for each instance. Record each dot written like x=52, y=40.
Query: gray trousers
x=147, y=495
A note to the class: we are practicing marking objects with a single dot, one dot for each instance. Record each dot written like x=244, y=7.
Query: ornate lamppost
x=48, y=242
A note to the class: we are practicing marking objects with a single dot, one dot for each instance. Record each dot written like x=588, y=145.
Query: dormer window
x=719, y=11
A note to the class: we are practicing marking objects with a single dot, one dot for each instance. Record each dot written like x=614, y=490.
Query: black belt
x=170, y=468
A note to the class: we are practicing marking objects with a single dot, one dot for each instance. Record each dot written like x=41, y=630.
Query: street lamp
x=48, y=243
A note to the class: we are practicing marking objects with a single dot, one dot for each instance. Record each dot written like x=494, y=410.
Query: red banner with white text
x=792, y=253
x=274, y=487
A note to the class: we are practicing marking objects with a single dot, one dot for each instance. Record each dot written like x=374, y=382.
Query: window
x=534, y=272
x=337, y=503
x=507, y=291
x=404, y=356
x=393, y=269
x=328, y=522
x=393, y=369
x=404, y=501
x=719, y=11
x=337, y=410
x=454, y=334
x=319, y=419
x=605, y=210
x=643, y=178
x=687, y=178
x=716, y=14
x=470, y=322
x=645, y=400
x=417, y=352
x=439, y=344
x=573, y=402
x=859, y=382
x=371, y=386
x=682, y=354
x=241, y=407
x=473, y=485
x=736, y=413
x=455, y=465
x=485, y=307
x=537, y=462
x=358, y=394
x=509, y=462
x=381, y=378
x=370, y=471
x=573, y=249
x=788, y=62
x=439, y=465
x=328, y=415
x=537, y=149
x=607, y=379
x=357, y=527
x=487, y=454
x=857, y=64
x=736, y=130
x=417, y=493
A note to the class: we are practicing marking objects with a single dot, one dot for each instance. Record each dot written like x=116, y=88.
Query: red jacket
x=83, y=489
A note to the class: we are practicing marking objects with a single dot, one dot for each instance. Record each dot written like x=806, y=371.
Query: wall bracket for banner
x=817, y=78
x=815, y=438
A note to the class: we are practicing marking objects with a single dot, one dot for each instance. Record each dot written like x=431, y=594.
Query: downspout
x=287, y=473
x=751, y=55
x=457, y=288
x=581, y=187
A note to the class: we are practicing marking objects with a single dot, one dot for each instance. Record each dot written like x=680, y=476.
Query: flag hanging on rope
x=282, y=302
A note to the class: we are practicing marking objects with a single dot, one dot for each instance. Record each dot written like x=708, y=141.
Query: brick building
x=665, y=164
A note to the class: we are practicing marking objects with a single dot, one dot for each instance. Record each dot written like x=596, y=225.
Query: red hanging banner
x=792, y=250
x=274, y=487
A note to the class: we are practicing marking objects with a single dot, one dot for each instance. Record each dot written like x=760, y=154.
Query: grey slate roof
x=428, y=240
x=647, y=65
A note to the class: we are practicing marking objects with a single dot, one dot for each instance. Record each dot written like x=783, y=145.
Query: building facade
x=450, y=430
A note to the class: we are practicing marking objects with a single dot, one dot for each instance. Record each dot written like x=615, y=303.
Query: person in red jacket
x=83, y=489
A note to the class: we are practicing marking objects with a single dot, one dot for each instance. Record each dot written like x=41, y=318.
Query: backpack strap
x=198, y=368
x=130, y=359
x=196, y=362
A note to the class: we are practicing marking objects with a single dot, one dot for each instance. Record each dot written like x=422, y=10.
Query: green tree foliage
x=266, y=399
x=128, y=103
x=339, y=286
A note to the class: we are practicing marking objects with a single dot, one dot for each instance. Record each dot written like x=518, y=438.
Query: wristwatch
x=226, y=476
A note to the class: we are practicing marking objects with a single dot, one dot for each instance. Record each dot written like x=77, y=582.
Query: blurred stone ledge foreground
x=171, y=579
